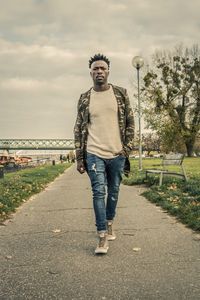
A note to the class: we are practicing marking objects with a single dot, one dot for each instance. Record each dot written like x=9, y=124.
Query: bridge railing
x=37, y=144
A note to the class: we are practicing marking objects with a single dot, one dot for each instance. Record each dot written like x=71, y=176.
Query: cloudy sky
x=45, y=46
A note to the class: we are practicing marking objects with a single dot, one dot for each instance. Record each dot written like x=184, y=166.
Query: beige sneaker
x=111, y=234
x=102, y=247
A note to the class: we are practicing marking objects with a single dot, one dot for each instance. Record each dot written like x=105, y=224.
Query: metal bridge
x=36, y=144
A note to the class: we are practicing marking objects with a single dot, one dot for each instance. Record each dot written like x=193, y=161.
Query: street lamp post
x=138, y=63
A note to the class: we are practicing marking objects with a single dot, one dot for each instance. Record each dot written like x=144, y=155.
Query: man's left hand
x=122, y=153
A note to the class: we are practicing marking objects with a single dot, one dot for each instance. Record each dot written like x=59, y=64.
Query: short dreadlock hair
x=97, y=57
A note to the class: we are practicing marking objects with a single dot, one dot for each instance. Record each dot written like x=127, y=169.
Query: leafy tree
x=172, y=97
x=197, y=146
x=150, y=142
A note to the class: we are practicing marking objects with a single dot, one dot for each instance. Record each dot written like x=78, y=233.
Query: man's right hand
x=80, y=166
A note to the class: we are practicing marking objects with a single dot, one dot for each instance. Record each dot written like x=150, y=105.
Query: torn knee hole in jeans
x=93, y=168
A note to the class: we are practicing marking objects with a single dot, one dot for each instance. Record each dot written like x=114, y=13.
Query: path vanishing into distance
x=47, y=249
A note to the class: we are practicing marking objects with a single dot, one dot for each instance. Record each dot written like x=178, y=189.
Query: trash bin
x=53, y=162
x=1, y=171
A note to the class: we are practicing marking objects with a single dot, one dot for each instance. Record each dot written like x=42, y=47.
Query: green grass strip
x=16, y=188
x=179, y=198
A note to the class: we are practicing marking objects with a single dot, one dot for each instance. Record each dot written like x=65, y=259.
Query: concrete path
x=47, y=249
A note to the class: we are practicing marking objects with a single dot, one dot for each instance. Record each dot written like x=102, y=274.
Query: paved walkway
x=47, y=249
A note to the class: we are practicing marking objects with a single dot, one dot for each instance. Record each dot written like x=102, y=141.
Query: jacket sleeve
x=129, y=126
x=78, y=131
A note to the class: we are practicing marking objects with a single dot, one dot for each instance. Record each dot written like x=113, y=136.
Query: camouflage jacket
x=125, y=117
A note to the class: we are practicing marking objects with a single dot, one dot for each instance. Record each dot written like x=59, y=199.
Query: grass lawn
x=178, y=197
x=16, y=188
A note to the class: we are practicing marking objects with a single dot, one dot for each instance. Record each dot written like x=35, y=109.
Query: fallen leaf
x=172, y=187
x=136, y=249
x=56, y=230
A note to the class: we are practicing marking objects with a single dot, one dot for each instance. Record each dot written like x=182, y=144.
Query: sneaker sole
x=111, y=238
x=101, y=251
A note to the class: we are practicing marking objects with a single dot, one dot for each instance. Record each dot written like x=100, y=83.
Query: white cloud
x=45, y=46
x=20, y=84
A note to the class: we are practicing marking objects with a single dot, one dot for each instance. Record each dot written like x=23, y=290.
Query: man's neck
x=101, y=88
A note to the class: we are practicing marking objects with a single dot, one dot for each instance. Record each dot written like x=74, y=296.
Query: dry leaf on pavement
x=136, y=249
x=56, y=230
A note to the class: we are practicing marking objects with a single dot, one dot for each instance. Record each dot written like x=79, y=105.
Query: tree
x=197, y=146
x=150, y=142
x=172, y=95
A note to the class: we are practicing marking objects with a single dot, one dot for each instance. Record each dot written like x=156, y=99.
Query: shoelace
x=102, y=241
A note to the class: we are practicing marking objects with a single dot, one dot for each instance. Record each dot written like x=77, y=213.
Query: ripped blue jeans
x=105, y=176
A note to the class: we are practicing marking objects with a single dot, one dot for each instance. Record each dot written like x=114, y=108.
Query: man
x=104, y=133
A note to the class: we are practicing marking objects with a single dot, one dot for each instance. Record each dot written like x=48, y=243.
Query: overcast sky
x=45, y=46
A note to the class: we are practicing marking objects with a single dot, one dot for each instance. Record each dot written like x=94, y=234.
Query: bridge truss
x=36, y=144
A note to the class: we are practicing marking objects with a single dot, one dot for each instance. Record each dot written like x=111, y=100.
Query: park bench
x=172, y=159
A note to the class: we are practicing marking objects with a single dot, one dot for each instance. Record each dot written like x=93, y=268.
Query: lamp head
x=137, y=62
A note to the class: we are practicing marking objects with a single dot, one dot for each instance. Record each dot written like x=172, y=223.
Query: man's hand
x=122, y=153
x=80, y=166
